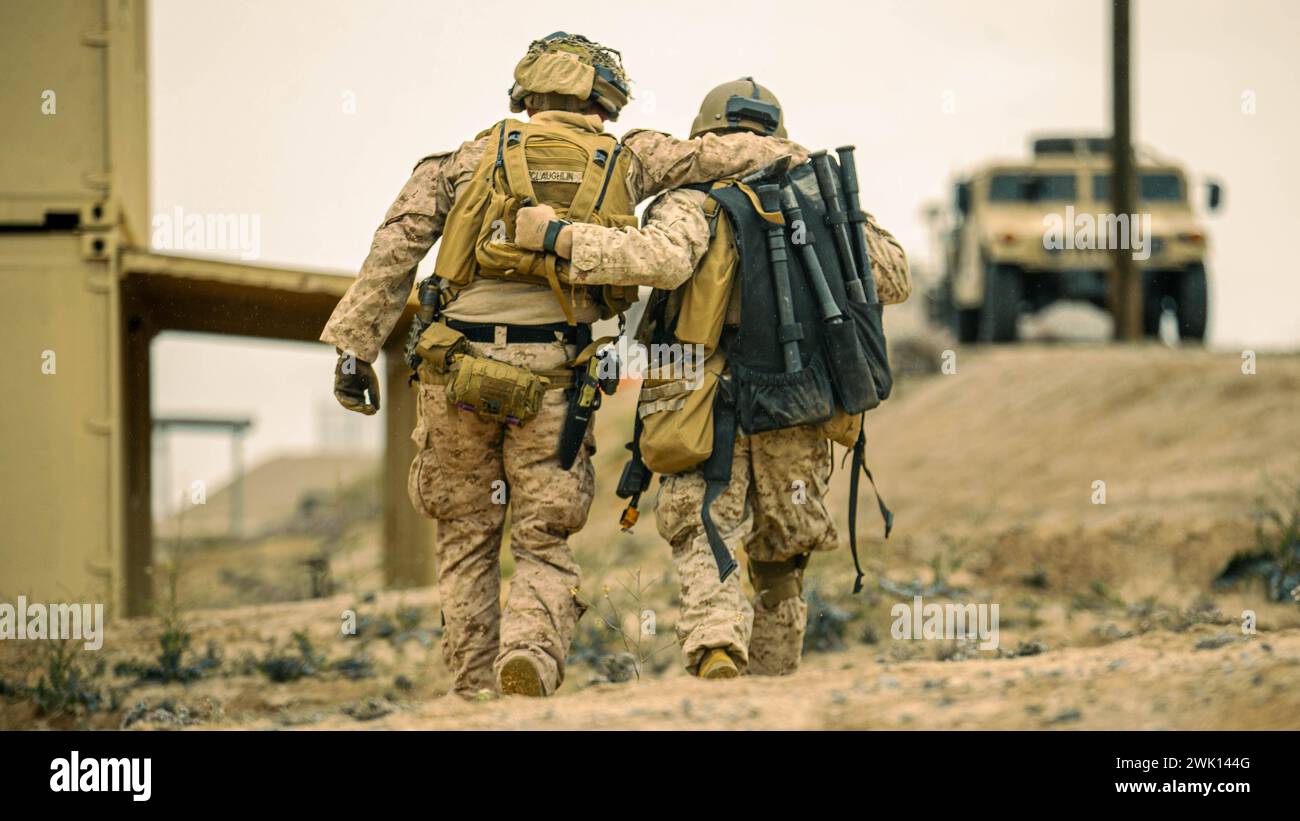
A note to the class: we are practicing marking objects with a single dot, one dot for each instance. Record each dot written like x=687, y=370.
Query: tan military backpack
x=580, y=174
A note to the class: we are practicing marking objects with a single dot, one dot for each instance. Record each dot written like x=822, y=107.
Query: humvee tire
x=1193, y=303
x=967, y=324
x=1154, y=293
x=1003, y=290
x=1151, y=319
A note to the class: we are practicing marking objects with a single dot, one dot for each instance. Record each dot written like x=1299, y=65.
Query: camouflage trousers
x=466, y=471
x=774, y=508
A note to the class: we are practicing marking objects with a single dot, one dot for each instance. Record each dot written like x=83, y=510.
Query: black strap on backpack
x=860, y=464
x=717, y=476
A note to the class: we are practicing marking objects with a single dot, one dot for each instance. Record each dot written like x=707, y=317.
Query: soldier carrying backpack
x=507, y=329
x=787, y=277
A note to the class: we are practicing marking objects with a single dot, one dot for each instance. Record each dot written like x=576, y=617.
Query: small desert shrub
x=280, y=666
x=68, y=684
x=1275, y=559
x=405, y=624
x=613, y=636
x=827, y=623
x=171, y=666
x=357, y=666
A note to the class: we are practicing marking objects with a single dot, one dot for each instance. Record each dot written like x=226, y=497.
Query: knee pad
x=774, y=582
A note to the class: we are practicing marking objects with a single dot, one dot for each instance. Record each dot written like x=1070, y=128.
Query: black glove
x=353, y=377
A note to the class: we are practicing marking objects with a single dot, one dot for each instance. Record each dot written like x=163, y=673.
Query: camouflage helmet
x=569, y=72
x=743, y=104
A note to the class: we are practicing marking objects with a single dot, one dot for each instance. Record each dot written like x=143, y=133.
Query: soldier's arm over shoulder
x=661, y=254
x=661, y=161
x=888, y=264
x=366, y=314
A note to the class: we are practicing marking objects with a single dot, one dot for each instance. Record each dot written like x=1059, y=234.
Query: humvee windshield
x=1031, y=187
x=1155, y=187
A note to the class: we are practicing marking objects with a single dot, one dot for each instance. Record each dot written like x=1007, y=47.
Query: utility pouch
x=871, y=333
x=772, y=401
x=439, y=345
x=493, y=249
x=456, y=261
x=495, y=391
x=850, y=369
x=676, y=415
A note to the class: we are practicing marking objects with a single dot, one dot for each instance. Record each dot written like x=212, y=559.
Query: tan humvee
x=1029, y=233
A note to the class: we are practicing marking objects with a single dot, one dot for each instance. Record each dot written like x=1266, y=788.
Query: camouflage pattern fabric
x=460, y=456
x=758, y=509
x=367, y=313
x=665, y=251
x=776, y=646
x=888, y=264
x=464, y=474
x=566, y=64
x=662, y=254
x=774, y=509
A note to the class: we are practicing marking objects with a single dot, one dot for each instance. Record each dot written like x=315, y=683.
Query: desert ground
x=1110, y=613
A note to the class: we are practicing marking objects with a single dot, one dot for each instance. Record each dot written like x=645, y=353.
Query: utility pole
x=1126, y=283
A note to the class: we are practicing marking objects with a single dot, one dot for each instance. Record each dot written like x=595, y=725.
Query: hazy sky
x=310, y=115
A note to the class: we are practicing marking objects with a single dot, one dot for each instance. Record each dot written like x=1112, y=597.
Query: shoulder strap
x=717, y=476
x=500, y=129
x=589, y=197
x=609, y=173
x=722, y=192
x=553, y=280
x=860, y=464
x=510, y=152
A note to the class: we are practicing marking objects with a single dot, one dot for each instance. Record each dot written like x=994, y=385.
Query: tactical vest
x=799, y=349
x=581, y=174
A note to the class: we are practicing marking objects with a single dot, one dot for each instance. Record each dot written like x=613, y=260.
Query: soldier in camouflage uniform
x=463, y=462
x=774, y=506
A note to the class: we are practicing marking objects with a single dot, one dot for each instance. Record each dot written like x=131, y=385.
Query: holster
x=584, y=400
